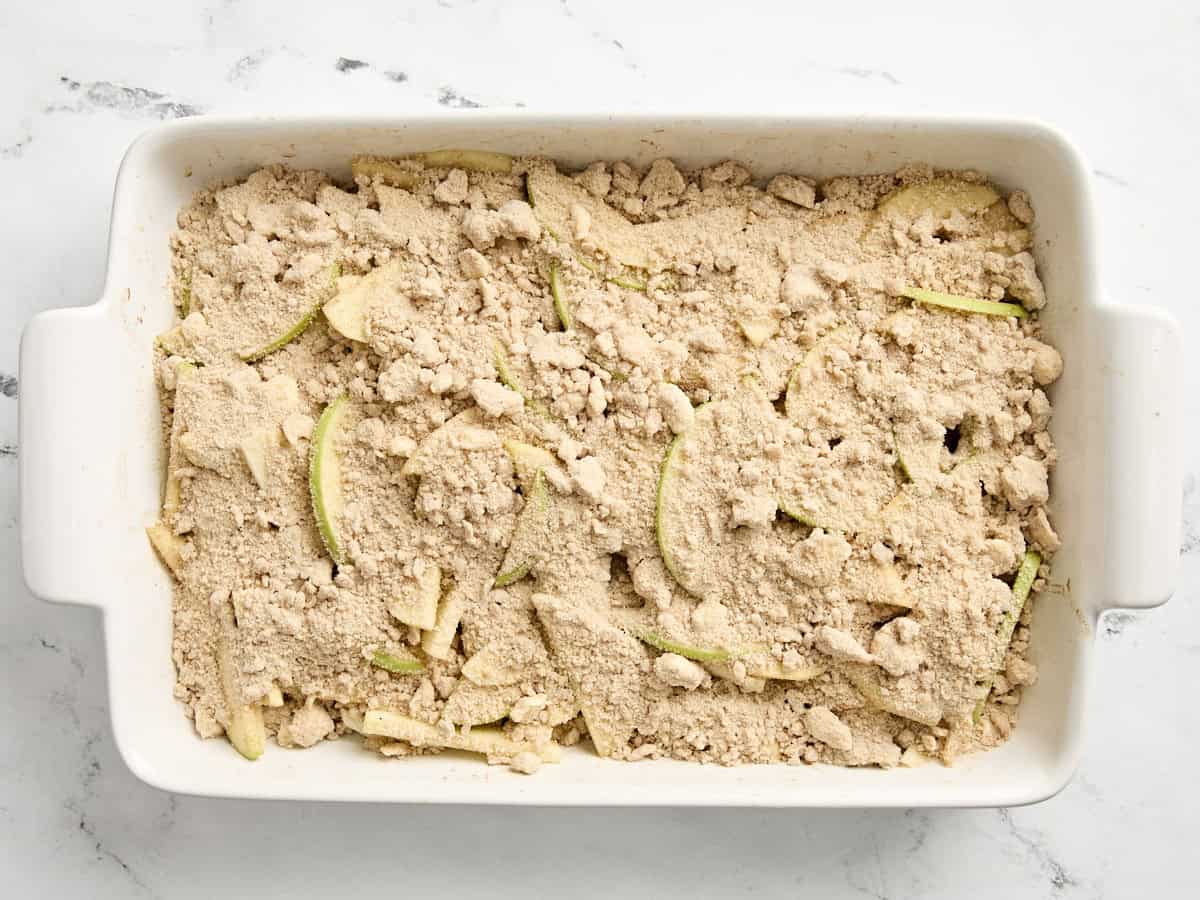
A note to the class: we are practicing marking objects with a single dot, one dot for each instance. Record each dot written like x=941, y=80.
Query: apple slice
x=558, y=292
x=504, y=370
x=866, y=680
x=552, y=196
x=528, y=460
x=529, y=536
x=245, y=728
x=605, y=665
x=699, y=654
x=255, y=449
x=667, y=477
x=758, y=329
x=402, y=663
x=347, y=312
x=811, y=380
x=940, y=198
x=490, y=742
x=629, y=282
x=468, y=160
x=691, y=495
x=185, y=295
x=419, y=603
x=473, y=704
x=964, y=304
x=487, y=668
x=168, y=545
x=917, y=456
x=768, y=667
x=296, y=329
x=1022, y=584
x=325, y=477
x=401, y=174
x=437, y=640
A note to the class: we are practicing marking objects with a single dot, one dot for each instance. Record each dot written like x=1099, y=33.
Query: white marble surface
x=79, y=80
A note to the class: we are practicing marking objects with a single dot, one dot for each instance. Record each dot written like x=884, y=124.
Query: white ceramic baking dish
x=91, y=455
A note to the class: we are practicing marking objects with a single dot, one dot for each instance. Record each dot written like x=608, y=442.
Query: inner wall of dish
x=164, y=170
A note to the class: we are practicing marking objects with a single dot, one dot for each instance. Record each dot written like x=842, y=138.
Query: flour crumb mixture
x=472, y=453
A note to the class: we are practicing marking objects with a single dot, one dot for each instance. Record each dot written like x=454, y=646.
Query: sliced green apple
x=468, y=160
x=690, y=495
x=758, y=329
x=399, y=663
x=325, y=477
x=168, y=545
x=810, y=381
x=296, y=329
x=487, y=668
x=418, y=605
x=347, y=312
x=559, y=293
x=490, y=742
x=919, y=708
x=185, y=295
x=389, y=171
x=529, y=535
x=917, y=456
x=940, y=198
x=794, y=509
x=763, y=666
x=1022, y=584
x=605, y=665
x=436, y=641
x=505, y=373
x=699, y=654
x=628, y=282
x=662, y=525
x=528, y=460
x=1026, y=574
x=255, y=449
x=473, y=704
x=462, y=433
x=245, y=728
x=964, y=304
x=553, y=196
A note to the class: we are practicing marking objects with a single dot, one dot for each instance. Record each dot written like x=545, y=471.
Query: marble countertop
x=79, y=81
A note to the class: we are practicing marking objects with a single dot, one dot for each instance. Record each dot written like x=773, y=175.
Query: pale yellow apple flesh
x=296, y=329
x=964, y=304
x=400, y=664
x=418, y=605
x=325, y=477
x=490, y=742
x=940, y=198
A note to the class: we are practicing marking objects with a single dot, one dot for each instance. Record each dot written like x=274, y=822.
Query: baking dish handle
x=1143, y=476
x=67, y=452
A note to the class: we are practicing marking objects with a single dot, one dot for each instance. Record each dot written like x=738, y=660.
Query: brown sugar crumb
x=472, y=453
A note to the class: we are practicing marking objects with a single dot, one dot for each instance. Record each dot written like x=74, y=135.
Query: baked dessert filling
x=473, y=453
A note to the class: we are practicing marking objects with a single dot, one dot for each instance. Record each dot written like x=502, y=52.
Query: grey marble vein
x=1035, y=845
x=882, y=74
x=1110, y=178
x=447, y=96
x=93, y=95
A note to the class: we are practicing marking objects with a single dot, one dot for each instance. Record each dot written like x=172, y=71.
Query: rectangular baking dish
x=91, y=454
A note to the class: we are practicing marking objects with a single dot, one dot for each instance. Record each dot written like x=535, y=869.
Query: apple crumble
x=472, y=453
